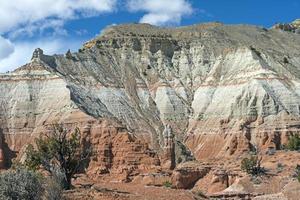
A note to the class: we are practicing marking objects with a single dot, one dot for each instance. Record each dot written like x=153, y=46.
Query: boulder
x=187, y=174
x=219, y=182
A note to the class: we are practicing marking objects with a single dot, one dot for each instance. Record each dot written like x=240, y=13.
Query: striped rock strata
x=33, y=98
x=223, y=89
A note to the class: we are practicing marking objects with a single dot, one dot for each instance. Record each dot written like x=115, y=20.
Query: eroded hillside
x=209, y=82
x=147, y=99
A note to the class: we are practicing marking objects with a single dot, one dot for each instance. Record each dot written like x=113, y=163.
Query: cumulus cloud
x=158, y=12
x=31, y=18
x=23, y=51
x=27, y=13
x=56, y=27
x=6, y=48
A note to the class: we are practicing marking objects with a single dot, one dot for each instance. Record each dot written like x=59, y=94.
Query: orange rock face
x=187, y=174
x=119, y=153
x=1, y=159
x=219, y=182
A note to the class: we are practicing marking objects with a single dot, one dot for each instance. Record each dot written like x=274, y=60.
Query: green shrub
x=280, y=167
x=60, y=152
x=167, y=184
x=293, y=143
x=20, y=184
x=297, y=172
x=252, y=165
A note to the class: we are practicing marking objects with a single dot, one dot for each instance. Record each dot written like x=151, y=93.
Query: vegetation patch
x=293, y=143
x=60, y=153
x=252, y=165
x=21, y=184
x=297, y=172
x=167, y=184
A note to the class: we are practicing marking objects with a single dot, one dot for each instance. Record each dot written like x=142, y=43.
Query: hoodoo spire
x=37, y=54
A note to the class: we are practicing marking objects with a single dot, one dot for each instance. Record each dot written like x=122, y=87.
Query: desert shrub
x=252, y=165
x=200, y=194
x=54, y=185
x=297, y=173
x=21, y=184
x=167, y=184
x=280, y=167
x=60, y=152
x=256, y=180
x=293, y=143
x=179, y=160
x=53, y=189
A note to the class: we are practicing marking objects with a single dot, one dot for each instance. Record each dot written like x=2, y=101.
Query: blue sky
x=59, y=25
x=257, y=12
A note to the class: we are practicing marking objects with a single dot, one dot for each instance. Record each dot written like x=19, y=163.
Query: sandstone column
x=2, y=160
x=168, y=160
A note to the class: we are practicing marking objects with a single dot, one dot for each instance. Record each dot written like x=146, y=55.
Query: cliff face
x=222, y=89
x=33, y=98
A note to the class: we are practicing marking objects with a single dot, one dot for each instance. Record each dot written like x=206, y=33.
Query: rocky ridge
x=146, y=77
x=293, y=27
x=146, y=98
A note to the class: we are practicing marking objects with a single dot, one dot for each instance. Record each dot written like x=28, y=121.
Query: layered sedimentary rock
x=31, y=99
x=222, y=89
x=293, y=27
x=168, y=157
x=118, y=153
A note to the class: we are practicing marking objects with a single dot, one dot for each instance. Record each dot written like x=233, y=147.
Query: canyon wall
x=222, y=89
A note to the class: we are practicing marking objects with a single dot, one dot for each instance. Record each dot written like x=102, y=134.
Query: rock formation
x=118, y=153
x=2, y=158
x=147, y=98
x=236, y=87
x=293, y=27
x=187, y=174
x=168, y=158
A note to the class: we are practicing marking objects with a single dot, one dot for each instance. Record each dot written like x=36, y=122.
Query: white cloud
x=23, y=51
x=29, y=17
x=81, y=32
x=35, y=17
x=158, y=12
x=56, y=25
x=26, y=13
x=6, y=48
